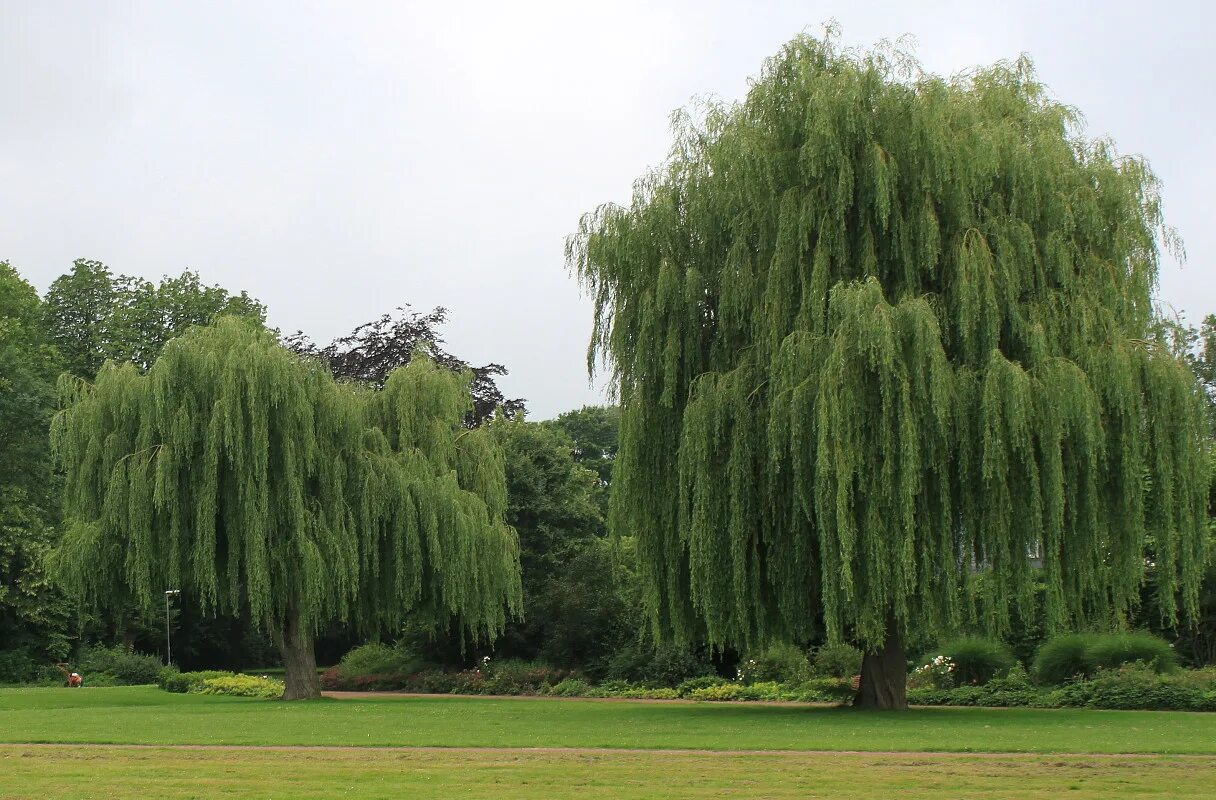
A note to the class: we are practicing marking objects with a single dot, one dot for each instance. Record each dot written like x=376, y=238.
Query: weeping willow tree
x=256, y=483
x=877, y=335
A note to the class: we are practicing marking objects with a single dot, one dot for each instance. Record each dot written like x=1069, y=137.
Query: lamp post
x=168, y=644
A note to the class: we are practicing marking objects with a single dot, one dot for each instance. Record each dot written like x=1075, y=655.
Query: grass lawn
x=615, y=749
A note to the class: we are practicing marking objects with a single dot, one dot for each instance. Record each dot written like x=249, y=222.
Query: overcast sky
x=339, y=159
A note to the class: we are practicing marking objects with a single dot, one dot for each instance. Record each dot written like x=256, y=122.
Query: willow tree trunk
x=884, y=674
x=299, y=659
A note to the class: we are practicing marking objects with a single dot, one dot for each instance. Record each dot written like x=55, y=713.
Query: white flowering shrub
x=937, y=674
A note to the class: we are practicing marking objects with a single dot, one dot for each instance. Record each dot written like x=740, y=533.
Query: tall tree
x=32, y=614
x=96, y=315
x=875, y=332
x=254, y=481
x=373, y=350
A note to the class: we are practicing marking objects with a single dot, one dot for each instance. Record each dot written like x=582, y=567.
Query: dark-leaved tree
x=373, y=350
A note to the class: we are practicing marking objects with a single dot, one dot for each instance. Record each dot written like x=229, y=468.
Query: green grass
x=32, y=773
x=145, y=715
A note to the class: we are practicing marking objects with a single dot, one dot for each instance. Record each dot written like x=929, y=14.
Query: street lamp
x=168, y=644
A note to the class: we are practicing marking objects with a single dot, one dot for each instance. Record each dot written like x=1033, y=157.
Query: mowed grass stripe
x=145, y=715
x=108, y=772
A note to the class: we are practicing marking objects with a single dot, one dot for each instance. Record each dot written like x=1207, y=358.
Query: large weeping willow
x=878, y=335
x=256, y=483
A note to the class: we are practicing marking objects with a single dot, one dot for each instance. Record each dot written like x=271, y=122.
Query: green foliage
x=1065, y=658
x=876, y=332
x=686, y=688
x=570, y=687
x=17, y=666
x=96, y=316
x=781, y=662
x=243, y=686
x=664, y=665
x=376, y=658
x=171, y=680
x=34, y=617
x=255, y=482
x=837, y=661
x=595, y=432
x=977, y=660
x=126, y=667
x=1131, y=687
x=1112, y=651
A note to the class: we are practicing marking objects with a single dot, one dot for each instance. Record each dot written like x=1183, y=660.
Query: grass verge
x=144, y=715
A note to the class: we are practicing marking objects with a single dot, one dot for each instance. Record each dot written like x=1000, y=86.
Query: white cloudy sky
x=339, y=159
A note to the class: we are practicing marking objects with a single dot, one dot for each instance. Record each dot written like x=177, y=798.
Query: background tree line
x=582, y=601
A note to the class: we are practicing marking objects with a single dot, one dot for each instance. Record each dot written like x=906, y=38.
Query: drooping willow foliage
x=877, y=336
x=254, y=481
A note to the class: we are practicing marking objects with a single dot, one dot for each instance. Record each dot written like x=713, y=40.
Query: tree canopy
x=31, y=612
x=876, y=335
x=95, y=315
x=253, y=480
x=374, y=349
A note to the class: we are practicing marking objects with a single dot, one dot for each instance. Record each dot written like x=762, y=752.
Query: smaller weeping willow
x=257, y=484
x=877, y=335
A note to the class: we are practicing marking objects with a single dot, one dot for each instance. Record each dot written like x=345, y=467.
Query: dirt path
x=601, y=751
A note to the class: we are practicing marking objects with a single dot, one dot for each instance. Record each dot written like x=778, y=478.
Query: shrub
x=689, y=686
x=375, y=658
x=822, y=690
x=977, y=660
x=719, y=692
x=170, y=680
x=761, y=690
x=125, y=667
x=243, y=686
x=1063, y=658
x=571, y=687
x=1081, y=655
x=1114, y=650
x=669, y=665
x=510, y=676
x=642, y=693
x=937, y=673
x=837, y=661
x=779, y=662
x=17, y=666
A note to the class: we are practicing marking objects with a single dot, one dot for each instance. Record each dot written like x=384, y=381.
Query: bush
x=1063, y=658
x=1131, y=687
x=837, y=661
x=1081, y=655
x=783, y=663
x=669, y=665
x=1136, y=687
x=717, y=693
x=170, y=680
x=691, y=685
x=125, y=667
x=642, y=693
x=1114, y=650
x=375, y=658
x=571, y=687
x=937, y=673
x=513, y=677
x=977, y=660
x=243, y=686
x=17, y=666
x=822, y=690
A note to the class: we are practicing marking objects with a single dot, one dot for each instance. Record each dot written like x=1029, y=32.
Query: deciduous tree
x=875, y=332
x=254, y=481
